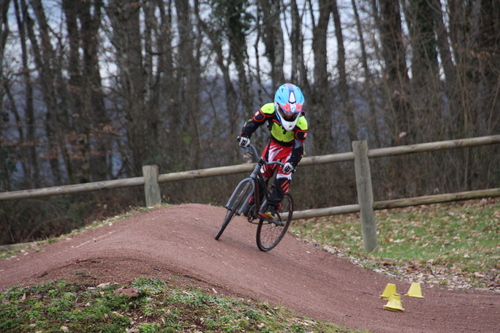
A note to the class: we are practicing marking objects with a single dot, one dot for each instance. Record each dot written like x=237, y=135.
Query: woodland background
x=93, y=90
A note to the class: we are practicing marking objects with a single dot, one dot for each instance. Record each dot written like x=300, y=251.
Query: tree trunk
x=142, y=122
x=236, y=31
x=425, y=81
x=4, y=154
x=299, y=72
x=273, y=40
x=451, y=86
x=367, y=79
x=348, y=107
x=489, y=58
x=231, y=118
x=168, y=88
x=33, y=168
x=321, y=101
x=44, y=57
x=189, y=78
x=395, y=71
x=79, y=137
x=89, y=15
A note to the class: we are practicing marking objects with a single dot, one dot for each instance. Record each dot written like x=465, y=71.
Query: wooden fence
x=360, y=155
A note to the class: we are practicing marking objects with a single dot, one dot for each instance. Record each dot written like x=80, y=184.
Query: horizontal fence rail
x=242, y=168
x=398, y=203
x=69, y=189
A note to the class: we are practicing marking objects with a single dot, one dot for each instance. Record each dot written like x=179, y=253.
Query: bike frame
x=254, y=182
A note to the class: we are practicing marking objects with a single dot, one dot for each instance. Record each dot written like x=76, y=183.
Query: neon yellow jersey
x=278, y=132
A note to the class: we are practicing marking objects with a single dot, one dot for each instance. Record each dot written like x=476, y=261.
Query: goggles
x=288, y=115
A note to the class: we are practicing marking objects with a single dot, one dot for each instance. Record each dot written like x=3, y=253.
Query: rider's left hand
x=287, y=168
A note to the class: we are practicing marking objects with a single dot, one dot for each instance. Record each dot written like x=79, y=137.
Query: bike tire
x=240, y=193
x=270, y=234
x=227, y=219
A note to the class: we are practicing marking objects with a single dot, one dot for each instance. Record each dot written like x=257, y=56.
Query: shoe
x=270, y=212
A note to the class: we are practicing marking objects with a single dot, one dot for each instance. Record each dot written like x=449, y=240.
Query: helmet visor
x=288, y=115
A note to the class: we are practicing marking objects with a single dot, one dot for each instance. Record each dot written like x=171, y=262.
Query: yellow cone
x=415, y=291
x=394, y=303
x=389, y=290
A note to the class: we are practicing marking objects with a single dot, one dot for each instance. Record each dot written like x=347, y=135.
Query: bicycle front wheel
x=269, y=234
x=235, y=203
x=227, y=219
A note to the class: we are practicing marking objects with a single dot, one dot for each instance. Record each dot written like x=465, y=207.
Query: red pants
x=276, y=152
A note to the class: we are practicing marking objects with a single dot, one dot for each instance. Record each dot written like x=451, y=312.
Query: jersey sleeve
x=259, y=118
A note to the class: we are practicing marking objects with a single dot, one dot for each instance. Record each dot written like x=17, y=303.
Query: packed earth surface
x=177, y=244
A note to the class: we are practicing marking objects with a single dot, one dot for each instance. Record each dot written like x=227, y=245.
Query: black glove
x=244, y=141
x=287, y=168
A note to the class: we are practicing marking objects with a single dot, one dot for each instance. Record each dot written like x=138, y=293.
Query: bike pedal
x=279, y=223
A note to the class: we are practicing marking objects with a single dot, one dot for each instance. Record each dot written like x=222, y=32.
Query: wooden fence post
x=365, y=195
x=151, y=187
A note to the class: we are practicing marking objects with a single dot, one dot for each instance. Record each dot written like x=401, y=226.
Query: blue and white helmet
x=288, y=102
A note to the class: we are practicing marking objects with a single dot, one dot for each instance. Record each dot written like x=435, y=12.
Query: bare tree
x=368, y=82
x=238, y=23
x=45, y=58
x=395, y=72
x=451, y=86
x=348, y=108
x=299, y=71
x=425, y=82
x=489, y=68
x=4, y=32
x=273, y=39
x=189, y=86
x=4, y=158
x=321, y=102
x=141, y=121
x=229, y=24
x=167, y=86
x=101, y=129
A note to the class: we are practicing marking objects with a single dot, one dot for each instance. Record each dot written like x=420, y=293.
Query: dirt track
x=177, y=244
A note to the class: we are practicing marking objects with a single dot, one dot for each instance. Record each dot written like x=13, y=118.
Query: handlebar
x=250, y=149
x=253, y=151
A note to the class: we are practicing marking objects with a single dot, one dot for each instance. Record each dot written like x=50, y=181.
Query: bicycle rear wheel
x=235, y=203
x=269, y=234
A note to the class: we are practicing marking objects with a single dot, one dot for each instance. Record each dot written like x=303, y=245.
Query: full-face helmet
x=288, y=102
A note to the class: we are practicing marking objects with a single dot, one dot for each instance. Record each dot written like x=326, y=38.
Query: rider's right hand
x=244, y=141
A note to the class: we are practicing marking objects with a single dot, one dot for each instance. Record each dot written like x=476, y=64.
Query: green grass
x=431, y=243
x=151, y=305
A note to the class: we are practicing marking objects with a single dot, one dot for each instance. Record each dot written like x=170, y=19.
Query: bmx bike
x=250, y=197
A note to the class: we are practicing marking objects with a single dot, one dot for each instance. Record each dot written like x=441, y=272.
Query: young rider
x=288, y=127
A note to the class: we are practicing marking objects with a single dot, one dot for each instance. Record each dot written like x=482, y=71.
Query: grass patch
x=455, y=244
x=147, y=305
